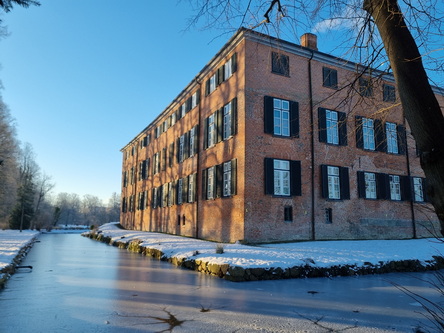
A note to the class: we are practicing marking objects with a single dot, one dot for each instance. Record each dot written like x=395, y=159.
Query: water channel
x=80, y=285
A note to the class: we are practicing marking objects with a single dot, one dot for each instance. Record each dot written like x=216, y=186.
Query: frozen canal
x=80, y=285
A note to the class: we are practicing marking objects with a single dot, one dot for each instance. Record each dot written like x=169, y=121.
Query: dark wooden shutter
x=406, y=188
x=144, y=169
x=269, y=176
x=220, y=76
x=295, y=178
x=218, y=180
x=382, y=186
x=342, y=128
x=185, y=190
x=344, y=183
x=219, y=125
x=294, y=119
x=188, y=103
x=402, y=139
x=322, y=125
x=196, y=139
x=361, y=184
x=359, y=134
x=207, y=88
x=204, y=184
x=234, y=63
x=178, y=150
x=324, y=181
x=380, y=138
x=186, y=145
x=234, y=116
x=268, y=115
x=233, y=176
x=205, y=143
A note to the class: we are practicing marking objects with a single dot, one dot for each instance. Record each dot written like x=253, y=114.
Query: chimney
x=310, y=41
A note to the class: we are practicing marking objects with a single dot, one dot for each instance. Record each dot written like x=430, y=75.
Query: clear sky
x=83, y=78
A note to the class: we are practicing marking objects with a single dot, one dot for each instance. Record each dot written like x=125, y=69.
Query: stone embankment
x=240, y=274
x=7, y=271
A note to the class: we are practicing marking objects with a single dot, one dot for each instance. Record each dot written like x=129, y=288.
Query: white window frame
x=183, y=110
x=227, y=179
x=281, y=117
x=179, y=191
x=334, y=182
x=228, y=118
x=212, y=130
x=192, y=141
x=370, y=185
x=392, y=138
x=210, y=182
x=281, y=175
x=213, y=83
x=418, y=189
x=194, y=100
x=331, y=120
x=395, y=187
x=191, y=189
x=228, y=68
x=368, y=133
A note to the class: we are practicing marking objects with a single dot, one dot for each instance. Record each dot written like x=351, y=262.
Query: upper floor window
x=330, y=77
x=221, y=125
x=332, y=127
x=365, y=87
x=388, y=93
x=223, y=73
x=365, y=133
x=391, y=137
x=335, y=182
x=282, y=177
x=281, y=117
x=220, y=180
x=418, y=189
x=280, y=64
x=395, y=187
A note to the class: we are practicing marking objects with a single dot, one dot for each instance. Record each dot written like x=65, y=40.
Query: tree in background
x=7, y=5
x=24, y=209
x=9, y=149
x=113, y=208
x=384, y=37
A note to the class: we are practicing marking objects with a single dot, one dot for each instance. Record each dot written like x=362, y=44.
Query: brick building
x=274, y=141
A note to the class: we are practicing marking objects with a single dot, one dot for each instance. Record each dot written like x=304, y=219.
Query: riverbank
x=14, y=245
x=237, y=262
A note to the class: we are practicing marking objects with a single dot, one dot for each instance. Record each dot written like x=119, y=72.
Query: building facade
x=274, y=141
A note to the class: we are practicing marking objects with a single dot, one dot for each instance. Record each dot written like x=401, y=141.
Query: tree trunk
x=421, y=108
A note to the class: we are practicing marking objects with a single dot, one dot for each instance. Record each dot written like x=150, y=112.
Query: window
x=280, y=64
x=212, y=84
x=210, y=183
x=418, y=189
x=288, y=214
x=211, y=130
x=228, y=68
x=370, y=185
x=183, y=110
x=171, y=186
x=156, y=163
x=281, y=117
x=164, y=196
x=328, y=215
x=194, y=100
x=163, y=159
x=392, y=138
x=365, y=87
x=191, y=188
x=179, y=191
x=227, y=121
x=171, y=155
x=173, y=118
x=388, y=93
x=330, y=77
x=193, y=141
x=143, y=173
x=395, y=187
x=335, y=182
x=220, y=180
x=332, y=127
x=223, y=73
x=227, y=179
x=155, y=201
x=365, y=133
x=282, y=177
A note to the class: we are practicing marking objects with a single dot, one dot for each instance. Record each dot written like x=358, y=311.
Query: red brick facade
x=244, y=153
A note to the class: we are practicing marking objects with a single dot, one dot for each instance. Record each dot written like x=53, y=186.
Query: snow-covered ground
x=284, y=255
x=11, y=242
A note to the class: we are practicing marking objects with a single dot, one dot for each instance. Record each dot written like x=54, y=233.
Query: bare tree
x=384, y=33
x=44, y=186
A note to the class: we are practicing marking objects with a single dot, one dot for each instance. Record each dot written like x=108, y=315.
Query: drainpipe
x=198, y=169
x=310, y=92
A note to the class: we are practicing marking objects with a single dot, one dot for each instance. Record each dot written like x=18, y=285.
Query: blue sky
x=82, y=78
